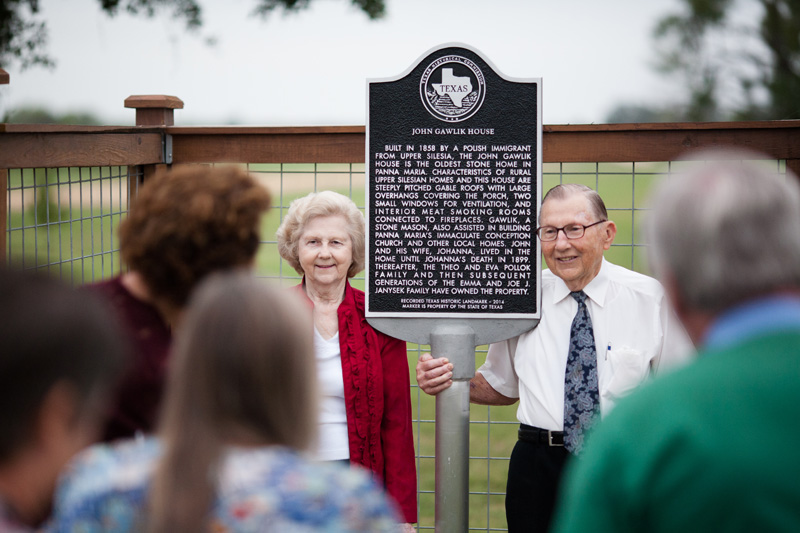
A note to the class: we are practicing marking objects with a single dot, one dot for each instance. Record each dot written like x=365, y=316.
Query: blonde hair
x=243, y=372
x=320, y=204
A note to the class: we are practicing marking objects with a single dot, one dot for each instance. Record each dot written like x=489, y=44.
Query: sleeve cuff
x=498, y=384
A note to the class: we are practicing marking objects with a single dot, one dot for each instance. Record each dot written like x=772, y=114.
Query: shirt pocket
x=627, y=368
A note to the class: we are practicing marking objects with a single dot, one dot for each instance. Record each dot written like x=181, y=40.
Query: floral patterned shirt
x=261, y=489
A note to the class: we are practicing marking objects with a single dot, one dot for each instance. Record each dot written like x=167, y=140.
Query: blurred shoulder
x=103, y=467
x=108, y=288
x=303, y=493
x=105, y=484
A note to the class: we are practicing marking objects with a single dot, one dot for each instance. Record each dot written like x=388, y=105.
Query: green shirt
x=715, y=446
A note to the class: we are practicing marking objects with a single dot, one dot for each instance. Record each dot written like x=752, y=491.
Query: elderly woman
x=239, y=411
x=366, y=406
x=185, y=224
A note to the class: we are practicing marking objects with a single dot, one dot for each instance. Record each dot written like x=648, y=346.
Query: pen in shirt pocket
x=608, y=350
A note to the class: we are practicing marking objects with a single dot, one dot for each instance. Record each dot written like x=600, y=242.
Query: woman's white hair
x=726, y=230
x=317, y=204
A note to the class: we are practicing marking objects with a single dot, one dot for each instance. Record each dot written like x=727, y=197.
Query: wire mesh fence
x=64, y=220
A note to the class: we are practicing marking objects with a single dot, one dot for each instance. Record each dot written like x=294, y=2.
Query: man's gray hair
x=727, y=231
x=565, y=190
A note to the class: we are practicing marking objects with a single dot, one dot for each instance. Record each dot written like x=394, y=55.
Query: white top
x=333, y=440
x=635, y=333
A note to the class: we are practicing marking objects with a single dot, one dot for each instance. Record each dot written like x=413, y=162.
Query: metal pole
x=457, y=343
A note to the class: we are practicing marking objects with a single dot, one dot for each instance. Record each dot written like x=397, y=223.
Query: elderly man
x=715, y=445
x=59, y=353
x=603, y=330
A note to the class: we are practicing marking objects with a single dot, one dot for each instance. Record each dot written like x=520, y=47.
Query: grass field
x=78, y=242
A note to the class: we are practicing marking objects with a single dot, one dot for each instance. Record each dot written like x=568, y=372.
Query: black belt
x=540, y=436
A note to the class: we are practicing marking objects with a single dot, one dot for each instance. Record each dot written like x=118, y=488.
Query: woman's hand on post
x=434, y=375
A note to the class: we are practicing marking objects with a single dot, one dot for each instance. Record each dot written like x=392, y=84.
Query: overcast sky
x=311, y=68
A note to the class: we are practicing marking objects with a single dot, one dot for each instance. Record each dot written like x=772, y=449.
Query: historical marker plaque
x=453, y=163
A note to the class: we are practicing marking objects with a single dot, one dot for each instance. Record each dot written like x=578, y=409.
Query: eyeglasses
x=571, y=231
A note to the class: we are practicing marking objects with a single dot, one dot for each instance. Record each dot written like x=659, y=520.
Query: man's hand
x=434, y=375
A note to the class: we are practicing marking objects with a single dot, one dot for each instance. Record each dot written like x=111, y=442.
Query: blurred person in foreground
x=239, y=412
x=365, y=413
x=58, y=353
x=713, y=446
x=604, y=331
x=184, y=224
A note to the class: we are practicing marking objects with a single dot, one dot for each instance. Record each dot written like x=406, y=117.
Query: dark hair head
x=189, y=222
x=49, y=333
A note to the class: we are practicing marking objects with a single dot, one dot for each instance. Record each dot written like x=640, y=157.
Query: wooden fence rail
x=28, y=146
x=154, y=141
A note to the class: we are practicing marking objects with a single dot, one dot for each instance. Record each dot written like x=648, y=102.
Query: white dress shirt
x=635, y=333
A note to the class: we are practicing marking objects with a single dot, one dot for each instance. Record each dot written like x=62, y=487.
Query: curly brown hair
x=191, y=221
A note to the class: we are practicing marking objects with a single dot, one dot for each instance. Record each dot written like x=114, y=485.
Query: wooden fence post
x=152, y=110
x=4, y=79
x=794, y=166
x=3, y=213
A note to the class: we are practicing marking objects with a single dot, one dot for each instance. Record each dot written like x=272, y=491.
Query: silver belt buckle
x=550, y=439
